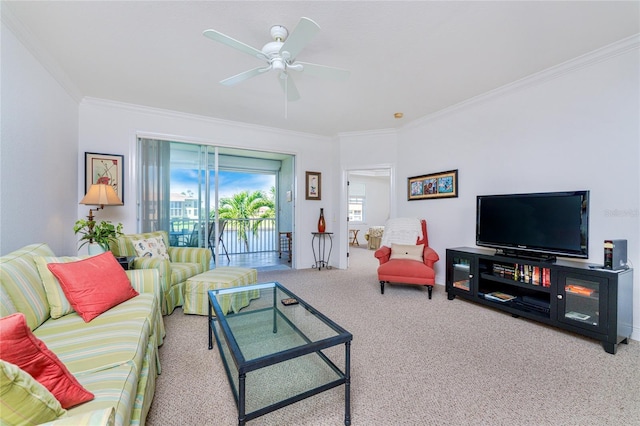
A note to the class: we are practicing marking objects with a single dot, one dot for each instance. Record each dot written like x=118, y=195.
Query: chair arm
x=191, y=255
x=162, y=265
x=144, y=280
x=383, y=254
x=147, y=281
x=430, y=256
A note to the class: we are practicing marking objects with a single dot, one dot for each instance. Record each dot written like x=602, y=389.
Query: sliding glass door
x=192, y=190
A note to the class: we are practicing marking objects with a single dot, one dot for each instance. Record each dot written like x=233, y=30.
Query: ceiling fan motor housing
x=272, y=49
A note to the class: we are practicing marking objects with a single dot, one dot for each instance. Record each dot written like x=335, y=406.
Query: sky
x=230, y=182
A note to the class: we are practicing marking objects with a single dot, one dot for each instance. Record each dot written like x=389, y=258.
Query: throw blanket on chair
x=401, y=230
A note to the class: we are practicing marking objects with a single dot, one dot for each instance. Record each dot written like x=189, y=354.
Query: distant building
x=183, y=206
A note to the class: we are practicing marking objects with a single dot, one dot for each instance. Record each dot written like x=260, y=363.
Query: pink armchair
x=408, y=271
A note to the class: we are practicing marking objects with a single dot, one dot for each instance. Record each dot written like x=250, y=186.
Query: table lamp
x=100, y=195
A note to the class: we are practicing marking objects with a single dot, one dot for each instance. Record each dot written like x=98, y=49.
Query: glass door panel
x=461, y=273
x=581, y=300
x=189, y=198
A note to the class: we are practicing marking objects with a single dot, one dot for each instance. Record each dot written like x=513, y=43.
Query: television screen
x=554, y=223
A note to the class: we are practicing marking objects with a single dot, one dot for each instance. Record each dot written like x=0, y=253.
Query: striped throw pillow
x=24, y=399
x=58, y=302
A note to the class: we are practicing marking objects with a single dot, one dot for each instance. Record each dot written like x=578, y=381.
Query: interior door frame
x=344, y=208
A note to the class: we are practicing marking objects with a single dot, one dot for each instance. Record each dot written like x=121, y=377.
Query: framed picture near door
x=434, y=185
x=104, y=168
x=313, y=186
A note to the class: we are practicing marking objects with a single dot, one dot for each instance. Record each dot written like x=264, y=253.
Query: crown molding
x=389, y=131
x=602, y=54
x=195, y=117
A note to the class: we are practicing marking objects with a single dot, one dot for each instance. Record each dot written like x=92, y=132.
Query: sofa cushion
x=58, y=302
x=116, y=337
x=151, y=247
x=114, y=356
x=181, y=271
x=93, y=285
x=407, y=251
x=21, y=284
x=406, y=271
x=115, y=387
x=24, y=399
x=98, y=417
x=19, y=346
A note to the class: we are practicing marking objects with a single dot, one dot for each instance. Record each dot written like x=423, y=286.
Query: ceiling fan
x=280, y=55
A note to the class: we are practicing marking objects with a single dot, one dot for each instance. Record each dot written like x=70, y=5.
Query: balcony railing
x=238, y=235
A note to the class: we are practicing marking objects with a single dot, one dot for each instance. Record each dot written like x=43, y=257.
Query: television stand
x=525, y=256
x=597, y=303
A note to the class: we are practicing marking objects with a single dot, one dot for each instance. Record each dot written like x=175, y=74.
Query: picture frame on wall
x=313, y=186
x=104, y=168
x=434, y=185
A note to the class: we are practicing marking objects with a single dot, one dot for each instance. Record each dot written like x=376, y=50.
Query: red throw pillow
x=93, y=285
x=19, y=346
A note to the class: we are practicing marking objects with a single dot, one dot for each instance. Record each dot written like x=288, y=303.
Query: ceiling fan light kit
x=280, y=55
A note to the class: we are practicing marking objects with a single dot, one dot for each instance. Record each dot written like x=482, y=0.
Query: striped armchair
x=184, y=263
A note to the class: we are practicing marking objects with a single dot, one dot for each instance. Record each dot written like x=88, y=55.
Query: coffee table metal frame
x=244, y=366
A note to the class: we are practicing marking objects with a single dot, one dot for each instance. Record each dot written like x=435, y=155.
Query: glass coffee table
x=278, y=350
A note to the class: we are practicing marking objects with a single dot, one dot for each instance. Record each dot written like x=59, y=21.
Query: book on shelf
x=546, y=277
x=536, y=279
x=578, y=289
x=506, y=271
x=463, y=284
x=499, y=296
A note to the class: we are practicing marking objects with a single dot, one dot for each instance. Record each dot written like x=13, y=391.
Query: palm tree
x=245, y=205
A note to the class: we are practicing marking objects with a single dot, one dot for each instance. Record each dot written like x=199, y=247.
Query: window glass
x=357, y=193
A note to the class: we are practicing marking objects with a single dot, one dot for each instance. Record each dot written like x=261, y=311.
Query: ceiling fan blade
x=324, y=71
x=231, y=42
x=289, y=87
x=244, y=76
x=298, y=39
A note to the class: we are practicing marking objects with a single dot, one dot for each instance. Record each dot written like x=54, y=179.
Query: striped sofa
x=184, y=263
x=114, y=356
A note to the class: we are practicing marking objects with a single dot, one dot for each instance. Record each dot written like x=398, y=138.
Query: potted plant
x=97, y=233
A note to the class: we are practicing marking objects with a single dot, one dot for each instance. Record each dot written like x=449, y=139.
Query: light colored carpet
x=414, y=362
x=273, y=268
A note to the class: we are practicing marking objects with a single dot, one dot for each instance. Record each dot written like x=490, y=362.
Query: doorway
x=368, y=205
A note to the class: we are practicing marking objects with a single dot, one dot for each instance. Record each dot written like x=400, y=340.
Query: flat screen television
x=538, y=225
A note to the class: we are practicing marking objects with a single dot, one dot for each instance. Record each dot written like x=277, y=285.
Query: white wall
x=109, y=127
x=38, y=154
x=573, y=128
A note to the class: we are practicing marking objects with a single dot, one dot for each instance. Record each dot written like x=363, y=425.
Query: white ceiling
x=417, y=57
